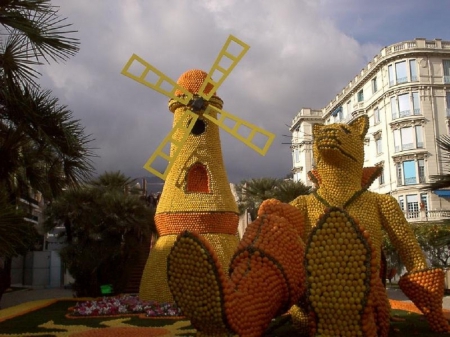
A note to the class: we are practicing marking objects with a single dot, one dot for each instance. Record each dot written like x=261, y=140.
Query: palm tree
x=251, y=193
x=104, y=227
x=288, y=190
x=41, y=146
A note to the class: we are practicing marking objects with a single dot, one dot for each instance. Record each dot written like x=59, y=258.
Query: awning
x=442, y=193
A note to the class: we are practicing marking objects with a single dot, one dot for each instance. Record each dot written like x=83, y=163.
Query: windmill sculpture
x=196, y=194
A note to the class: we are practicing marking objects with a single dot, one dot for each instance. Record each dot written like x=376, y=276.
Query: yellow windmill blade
x=161, y=82
x=176, y=137
x=221, y=67
x=223, y=117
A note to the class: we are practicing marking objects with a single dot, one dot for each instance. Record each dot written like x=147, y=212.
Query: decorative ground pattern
x=51, y=318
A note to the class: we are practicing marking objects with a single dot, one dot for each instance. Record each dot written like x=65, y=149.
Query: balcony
x=406, y=113
x=427, y=215
x=411, y=181
x=408, y=147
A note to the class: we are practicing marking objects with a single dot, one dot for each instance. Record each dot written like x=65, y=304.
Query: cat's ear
x=360, y=125
x=316, y=129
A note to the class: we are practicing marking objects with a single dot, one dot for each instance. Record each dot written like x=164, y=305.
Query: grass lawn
x=50, y=320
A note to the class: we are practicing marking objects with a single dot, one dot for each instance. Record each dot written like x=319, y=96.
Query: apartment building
x=405, y=92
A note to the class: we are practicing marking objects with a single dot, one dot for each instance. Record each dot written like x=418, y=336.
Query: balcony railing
x=404, y=147
x=412, y=215
x=408, y=147
x=411, y=181
x=427, y=215
x=442, y=214
x=406, y=113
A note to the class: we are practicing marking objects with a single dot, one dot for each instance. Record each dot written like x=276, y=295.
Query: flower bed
x=123, y=305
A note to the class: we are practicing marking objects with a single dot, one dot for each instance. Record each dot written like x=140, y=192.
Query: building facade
x=405, y=92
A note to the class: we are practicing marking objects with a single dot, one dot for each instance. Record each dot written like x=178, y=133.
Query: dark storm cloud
x=298, y=58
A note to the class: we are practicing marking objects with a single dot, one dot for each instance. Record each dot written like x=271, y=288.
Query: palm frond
x=16, y=63
x=49, y=36
x=45, y=31
x=55, y=150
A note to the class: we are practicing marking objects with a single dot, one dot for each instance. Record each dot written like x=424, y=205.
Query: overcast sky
x=302, y=53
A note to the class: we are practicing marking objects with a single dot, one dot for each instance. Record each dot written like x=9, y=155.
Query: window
x=376, y=116
x=397, y=141
x=401, y=202
x=413, y=70
x=424, y=202
x=412, y=206
x=419, y=138
x=403, y=139
x=338, y=114
x=399, y=175
x=381, y=178
x=198, y=179
x=401, y=75
x=296, y=156
x=447, y=98
x=403, y=105
x=446, y=64
x=349, y=108
x=379, y=146
x=421, y=170
x=409, y=138
x=416, y=103
x=360, y=95
x=374, y=85
x=391, y=75
x=399, y=72
x=394, y=108
x=409, y=172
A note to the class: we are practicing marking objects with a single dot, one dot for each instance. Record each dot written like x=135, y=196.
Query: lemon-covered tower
x=196, y=194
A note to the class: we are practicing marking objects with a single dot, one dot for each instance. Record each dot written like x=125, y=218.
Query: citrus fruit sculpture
x=196, y=196
x=318, y=257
